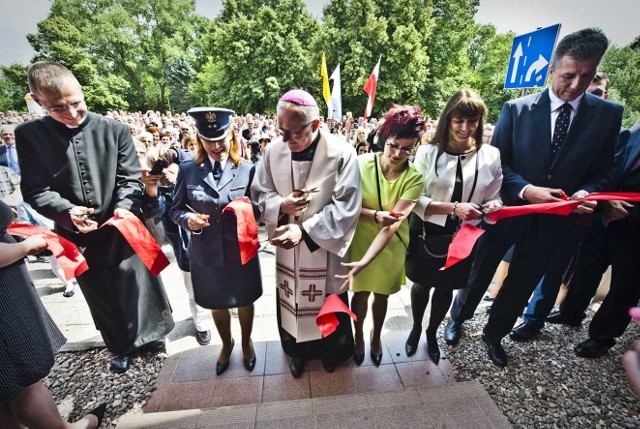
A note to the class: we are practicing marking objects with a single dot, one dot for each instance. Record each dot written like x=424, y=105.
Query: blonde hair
x=232, y=149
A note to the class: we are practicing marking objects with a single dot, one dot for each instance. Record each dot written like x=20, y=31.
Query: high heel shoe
x=99, y=412
x=358, y=358
x=250, y=363
x=222, y=366
x=376, y=358
x=411, y=346
x=433, y=350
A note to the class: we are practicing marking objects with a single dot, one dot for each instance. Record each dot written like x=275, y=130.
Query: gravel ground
x=545, y=383
x=81, y=381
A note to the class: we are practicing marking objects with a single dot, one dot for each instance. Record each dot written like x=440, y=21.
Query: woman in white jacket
x=462, y=180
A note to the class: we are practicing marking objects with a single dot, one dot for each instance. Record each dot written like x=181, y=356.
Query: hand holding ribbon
x=71, y=260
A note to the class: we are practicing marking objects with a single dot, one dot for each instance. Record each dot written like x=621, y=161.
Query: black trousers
x=612, y=317
x=536, y=247
x=591, y=262
x=490, y=249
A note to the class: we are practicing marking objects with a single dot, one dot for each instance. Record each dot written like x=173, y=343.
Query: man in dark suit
x=622, y=229
x=556, y=142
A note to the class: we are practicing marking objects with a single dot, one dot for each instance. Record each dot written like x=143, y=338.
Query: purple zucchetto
x=299, y=97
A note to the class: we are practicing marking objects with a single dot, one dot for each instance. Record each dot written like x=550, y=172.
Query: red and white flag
x=370, y=88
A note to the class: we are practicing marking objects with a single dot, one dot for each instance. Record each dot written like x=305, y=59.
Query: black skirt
x=228, y=287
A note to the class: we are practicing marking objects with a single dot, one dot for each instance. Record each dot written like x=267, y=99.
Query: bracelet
x=453, y=212
x=375, y=216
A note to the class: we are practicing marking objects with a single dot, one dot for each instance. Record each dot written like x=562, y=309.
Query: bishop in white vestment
x=308, y=186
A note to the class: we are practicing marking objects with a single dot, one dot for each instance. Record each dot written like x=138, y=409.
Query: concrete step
x=459, y=405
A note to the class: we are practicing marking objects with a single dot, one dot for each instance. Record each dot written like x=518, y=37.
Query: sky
x=618, y=18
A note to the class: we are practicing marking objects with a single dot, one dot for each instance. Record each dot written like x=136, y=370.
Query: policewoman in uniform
x=205, y=186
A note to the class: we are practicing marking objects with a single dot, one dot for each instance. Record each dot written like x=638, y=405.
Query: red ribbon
x=246, y=228
x=141, y=241
x=71, y=260
x=463, y=245
x=327, y=320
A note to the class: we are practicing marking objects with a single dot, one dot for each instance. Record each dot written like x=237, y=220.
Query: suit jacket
x=4, y=159
x=626, y=155
x=217, y=245
x=523, y=136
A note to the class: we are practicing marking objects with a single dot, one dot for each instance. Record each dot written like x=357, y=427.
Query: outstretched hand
x=354, y=269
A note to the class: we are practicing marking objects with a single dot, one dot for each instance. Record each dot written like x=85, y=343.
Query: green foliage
x=158, y=54
x=357, y=32
x=449, y=69
x=13, y=87
x=259, y=49
x=124, y=53
x=489, y=59
x=623, y=67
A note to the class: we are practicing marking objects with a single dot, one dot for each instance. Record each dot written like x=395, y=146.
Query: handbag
x=436, y=246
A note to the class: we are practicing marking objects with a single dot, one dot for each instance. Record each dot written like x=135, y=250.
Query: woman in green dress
x=390, y=188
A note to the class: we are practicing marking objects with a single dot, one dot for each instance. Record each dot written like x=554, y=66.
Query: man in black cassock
x=80, y=169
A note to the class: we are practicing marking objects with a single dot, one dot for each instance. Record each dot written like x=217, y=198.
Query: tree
x=623, y=68
x=447, y=49
x=357, y=32
x=121, y=51
x=489, y=59
x=13, y=87
x=260, y=49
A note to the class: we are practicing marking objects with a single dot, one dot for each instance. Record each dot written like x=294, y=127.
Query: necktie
x=560, y=130
x=13, y=159
x=217, y=172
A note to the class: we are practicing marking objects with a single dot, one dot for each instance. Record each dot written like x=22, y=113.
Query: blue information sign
x=530, y=58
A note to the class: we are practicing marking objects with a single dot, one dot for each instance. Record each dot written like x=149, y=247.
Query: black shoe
x=329, y=366
x=250, y=363
x=452, y=332
x=593, y=348
x=99, y=413
x=221, y=367
x=376, y=358
x=203, y=337
x=68, y=293
x=411, y=346
x=358, y=358
x=119, y=364
x=153, y=347
x=433, y=350
x=524, y=332
x=296, y=366
x=557, y=317
x=496, y=352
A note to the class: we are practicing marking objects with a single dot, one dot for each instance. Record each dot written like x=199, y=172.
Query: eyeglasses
x=294, y=134
x=404, y=150
x=64, y=108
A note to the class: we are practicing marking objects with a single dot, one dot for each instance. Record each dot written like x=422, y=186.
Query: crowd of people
x=353, y=208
